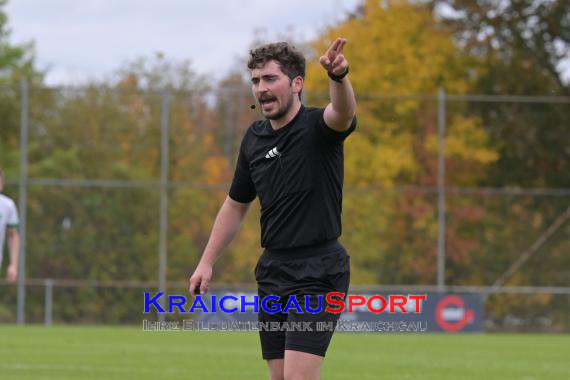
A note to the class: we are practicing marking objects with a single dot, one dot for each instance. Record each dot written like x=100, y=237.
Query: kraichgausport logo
x=336, y=302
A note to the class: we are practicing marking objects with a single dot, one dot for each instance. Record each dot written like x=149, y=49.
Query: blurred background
x=457, y=180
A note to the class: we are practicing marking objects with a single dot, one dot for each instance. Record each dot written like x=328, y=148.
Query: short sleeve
x=12, y=217
x=333, y=135
x=242, y=189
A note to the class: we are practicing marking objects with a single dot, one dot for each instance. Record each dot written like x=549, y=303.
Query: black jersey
x=297, y=171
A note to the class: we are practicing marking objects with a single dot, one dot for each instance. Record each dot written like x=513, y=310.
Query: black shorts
x=309, y=271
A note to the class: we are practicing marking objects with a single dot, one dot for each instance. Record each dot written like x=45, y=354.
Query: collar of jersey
x=270, y=130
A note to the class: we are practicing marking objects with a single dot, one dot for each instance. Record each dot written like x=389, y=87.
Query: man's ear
x=298, y=84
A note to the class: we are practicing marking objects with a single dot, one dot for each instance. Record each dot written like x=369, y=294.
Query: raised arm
x=225, y=227
x=341, y=110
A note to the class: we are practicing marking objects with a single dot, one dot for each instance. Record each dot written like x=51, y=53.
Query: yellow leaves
x=208, y=142
x=377, y=164
x=398, y=48
x=393, y=50
x=466, y=140
x=379, y=152
x=217, y=169
x=424, y=221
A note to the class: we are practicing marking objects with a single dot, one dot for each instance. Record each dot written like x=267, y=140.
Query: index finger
x=340, y=42
x=334, y=46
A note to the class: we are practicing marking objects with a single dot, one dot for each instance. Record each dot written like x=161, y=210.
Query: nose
x=262, y=86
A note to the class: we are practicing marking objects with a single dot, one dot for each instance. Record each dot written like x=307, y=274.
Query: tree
x=16, y=62
x=526, y=47
x=531, y=35
x=112, y=131
x=520, y=39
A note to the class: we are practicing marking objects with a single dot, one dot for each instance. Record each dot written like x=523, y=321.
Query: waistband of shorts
x=323, y=248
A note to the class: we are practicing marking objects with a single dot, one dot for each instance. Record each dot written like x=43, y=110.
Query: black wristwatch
x=338, y=78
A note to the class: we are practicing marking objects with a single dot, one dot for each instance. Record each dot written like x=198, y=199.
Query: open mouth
x=267, y=102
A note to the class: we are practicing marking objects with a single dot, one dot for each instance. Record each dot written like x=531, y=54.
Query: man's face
x=274, y=90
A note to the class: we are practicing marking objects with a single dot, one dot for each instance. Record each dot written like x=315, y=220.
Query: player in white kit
x=9, y=226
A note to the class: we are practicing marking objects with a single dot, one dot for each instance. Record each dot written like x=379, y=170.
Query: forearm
x=14, y=248
x=342, y=98
x=226, y=225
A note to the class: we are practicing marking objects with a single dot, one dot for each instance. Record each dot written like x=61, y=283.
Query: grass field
x=37, y=353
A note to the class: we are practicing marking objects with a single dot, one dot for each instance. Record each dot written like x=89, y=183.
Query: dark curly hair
x=291, y=60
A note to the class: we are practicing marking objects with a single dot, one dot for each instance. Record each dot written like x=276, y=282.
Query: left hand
x=333, y=60
x=12, y=274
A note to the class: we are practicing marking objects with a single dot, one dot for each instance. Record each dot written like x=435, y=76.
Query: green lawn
x=37, y=353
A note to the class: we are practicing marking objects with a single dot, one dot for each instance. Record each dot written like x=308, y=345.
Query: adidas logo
x=272, y=153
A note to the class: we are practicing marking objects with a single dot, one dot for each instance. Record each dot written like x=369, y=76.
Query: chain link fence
x=117, y=191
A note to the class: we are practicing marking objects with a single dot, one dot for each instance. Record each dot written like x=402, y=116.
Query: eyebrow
x=266, y=76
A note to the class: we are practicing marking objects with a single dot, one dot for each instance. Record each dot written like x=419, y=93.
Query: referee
x=294, y=162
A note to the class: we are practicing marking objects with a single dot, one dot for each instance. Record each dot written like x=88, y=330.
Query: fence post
x=229, y=123
x=164, y=161
x=441, y=115
x=22, y=200
x=48, y=306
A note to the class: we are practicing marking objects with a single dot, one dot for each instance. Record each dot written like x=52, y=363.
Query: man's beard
x=283, y=111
